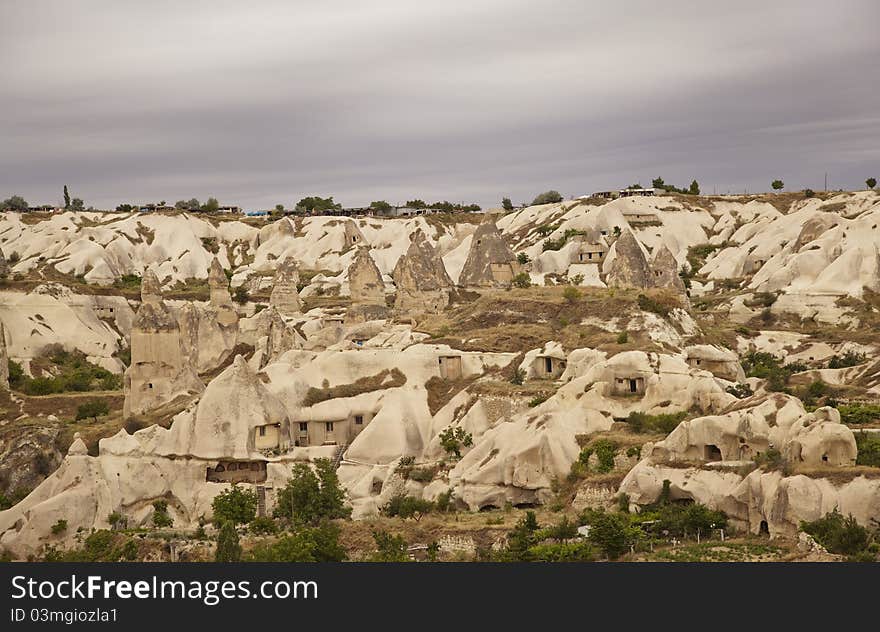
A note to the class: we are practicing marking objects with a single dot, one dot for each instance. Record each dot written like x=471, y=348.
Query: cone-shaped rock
x=285, y=295
x=423, y=285
x=490, y=261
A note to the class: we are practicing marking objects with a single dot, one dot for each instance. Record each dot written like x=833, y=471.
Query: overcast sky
x=258, y=103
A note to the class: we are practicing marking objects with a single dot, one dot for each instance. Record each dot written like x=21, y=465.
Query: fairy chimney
x=423, y=285
x=629, y=267
x=490, y=261
x=285, y=295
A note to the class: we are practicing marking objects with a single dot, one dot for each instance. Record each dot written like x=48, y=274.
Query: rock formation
x=628, y=268
x=490, y=261
x=285, y=289
x=161, y=369
x=664, y=269
x=423, y=285
x=4, y=266
x=4, y=359
x=367, y=289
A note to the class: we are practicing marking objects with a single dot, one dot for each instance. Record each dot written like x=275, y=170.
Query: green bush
x=869, y=449
x=405, y=507
x=839, y=535
x=537, y=401
x=522, y=280
x=519, y=376
x=446, y=501
x=236, y=505
x=263, y=525
x=740, y=391
x=858, y=413
x=662, y=423
x=622, y=338
x=547, y=197
x=161, y=519
x=571, y=294
x=93, y=409
x=561, y=552
x=306, y=544
x=389, y=548
x=848, y=359
x=522, y=258
x=59, y=527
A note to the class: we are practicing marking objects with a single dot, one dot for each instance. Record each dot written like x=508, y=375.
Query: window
x=358, y=420
x=150, y=385
x=303, y=426
x=328, y=426
x=548, y=365
x=262, y=431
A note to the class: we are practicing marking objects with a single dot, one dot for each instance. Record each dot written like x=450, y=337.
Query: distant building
x=229, y=209
x=639, y=192
x=42, y=208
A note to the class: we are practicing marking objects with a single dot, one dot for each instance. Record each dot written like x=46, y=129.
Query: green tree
x=66, y=198
x=228, y=546
x=547, y=197
x=523, y=258
x=405, y=507
x=416, y=204
x=93, y=409
x=211, y=206
x=235, y=505
x=506, y=204
x=380, y=205
x=124, y=208
x=77, y=205
x=312, y=495
x=452, y=439
x=279, y=208
x=871, y=182
x=316, y=205
x=777, y=185
x=15, y=203
x=694, y=189
x=389, y=548
x=612, y=533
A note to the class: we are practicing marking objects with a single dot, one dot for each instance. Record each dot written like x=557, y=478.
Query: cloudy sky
x=264, y=102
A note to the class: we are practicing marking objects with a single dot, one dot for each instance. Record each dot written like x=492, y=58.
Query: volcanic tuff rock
x=423, y=285
x=490, y=261
x=626, y=265
x=285, y=292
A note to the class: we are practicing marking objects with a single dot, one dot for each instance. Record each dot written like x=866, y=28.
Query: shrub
x=871, y=182
x=235, y=505
x=662, y=423
x=522, y=280
x=848, y=359
x=808, y=193
x=740, y=391
x=777, y=185
x=537, y=401
x=506, y=204
x=838, y=534
x=240, y=295
x=869, y=449
x=858, y=413
x=648, y=304
x=59, y=527
x=161, y=519
x=445, y=501
x=771, y=459
x=622, y=338
x=263, y=525
x=228, y=546
x=314, y=544
x=519, y=376
x=522, y=258
x=422, y=474
x=93, y=409
x=571, y=295
x=407, y=507
x=389, y=548
x=452, y=439
x=117, y=520
x=605, y=451
x=565, y=529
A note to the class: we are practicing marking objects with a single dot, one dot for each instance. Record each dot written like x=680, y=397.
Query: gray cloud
x=442, y=100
